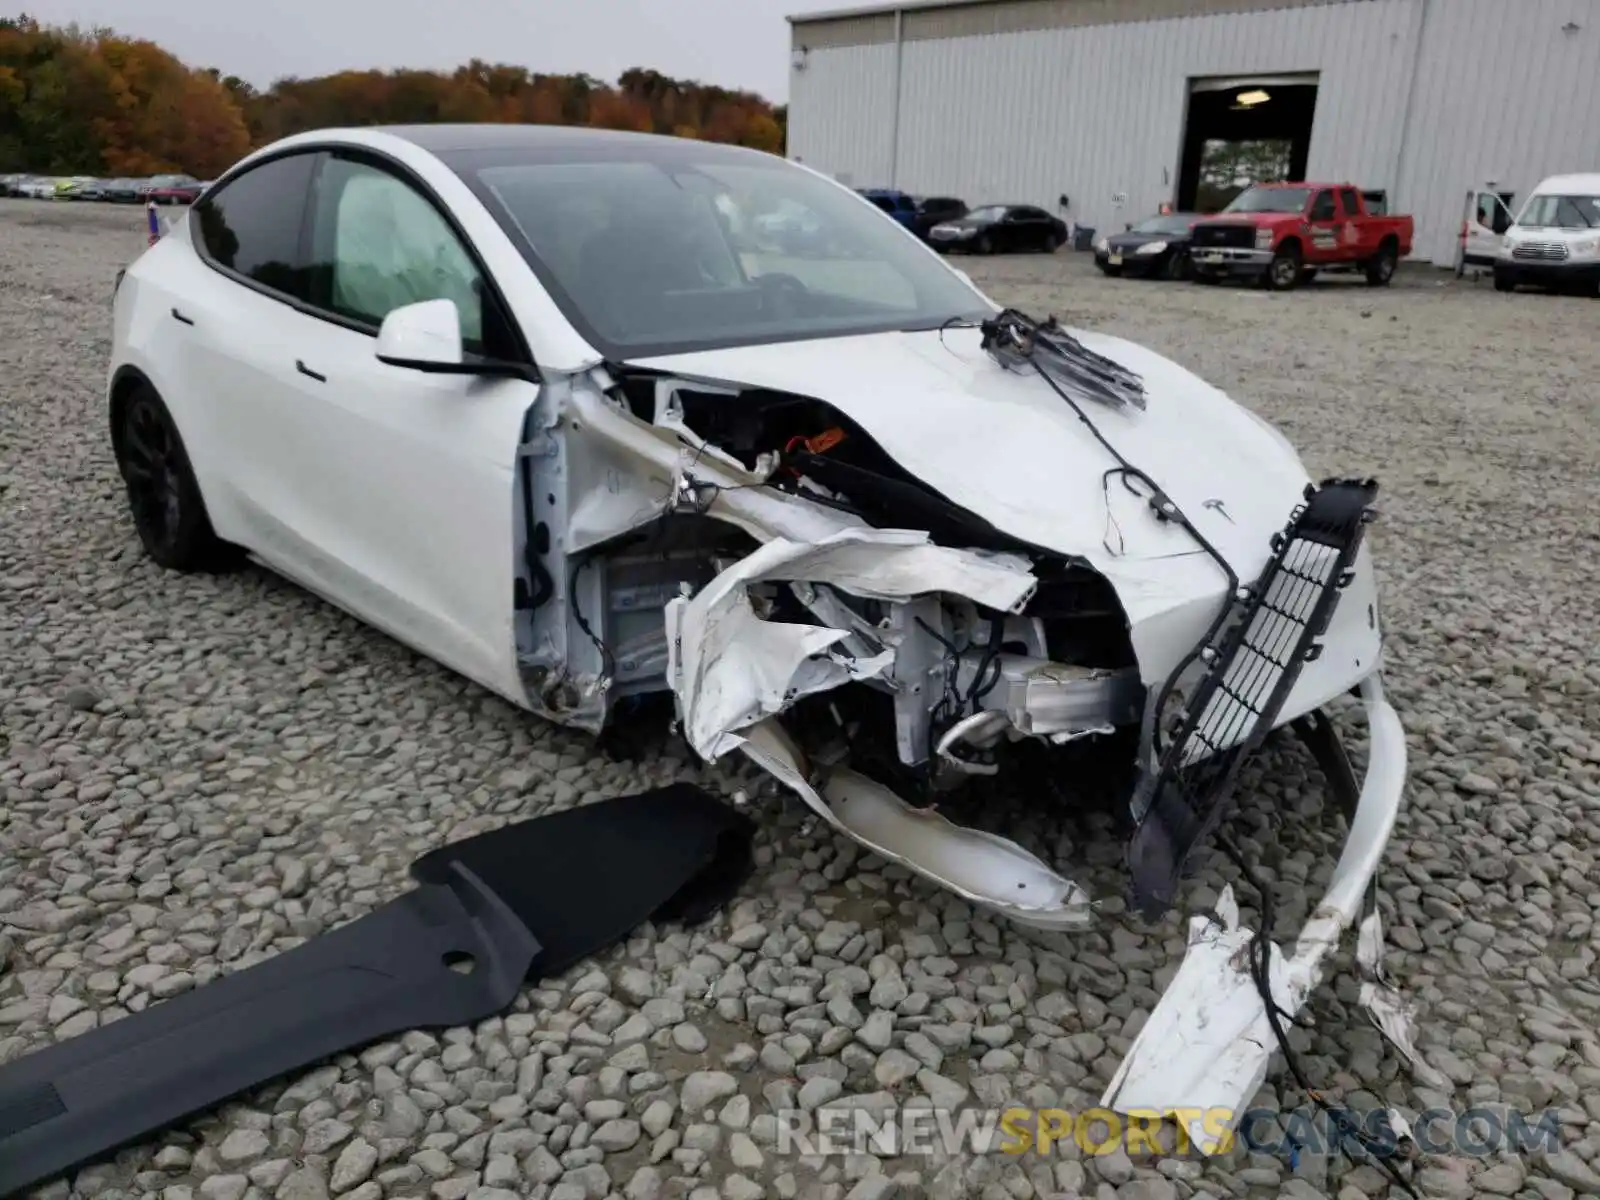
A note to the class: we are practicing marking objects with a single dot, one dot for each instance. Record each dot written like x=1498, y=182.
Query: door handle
x=179, y=316
x=305, y=370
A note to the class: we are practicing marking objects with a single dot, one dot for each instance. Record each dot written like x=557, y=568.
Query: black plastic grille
x=1271, y=632
x=1225, y=235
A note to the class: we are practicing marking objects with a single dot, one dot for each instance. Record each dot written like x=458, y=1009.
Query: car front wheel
x=1284, y=271
x=163, y=496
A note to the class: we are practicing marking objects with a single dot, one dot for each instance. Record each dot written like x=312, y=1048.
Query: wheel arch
x=126, y=380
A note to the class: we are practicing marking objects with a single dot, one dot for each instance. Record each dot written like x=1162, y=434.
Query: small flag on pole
x=153, y=221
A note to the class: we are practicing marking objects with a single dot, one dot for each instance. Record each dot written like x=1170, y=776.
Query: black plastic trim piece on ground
x=521, y=902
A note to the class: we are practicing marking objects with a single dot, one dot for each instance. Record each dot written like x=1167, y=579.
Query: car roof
x=442, y=139
x=1586, y=184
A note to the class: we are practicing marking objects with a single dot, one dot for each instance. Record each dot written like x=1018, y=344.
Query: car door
x=232, y=324
x=405, y=479
x=1488, y=217
x=1326, y=222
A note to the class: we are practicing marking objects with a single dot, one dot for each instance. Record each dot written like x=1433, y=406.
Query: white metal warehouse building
x=1027, y=101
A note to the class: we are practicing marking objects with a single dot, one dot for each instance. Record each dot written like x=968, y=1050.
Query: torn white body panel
x=729, y=668
x=1207, y=1044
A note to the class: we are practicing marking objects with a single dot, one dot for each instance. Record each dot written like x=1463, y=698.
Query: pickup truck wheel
x=1283, y=273
x=1380, y=269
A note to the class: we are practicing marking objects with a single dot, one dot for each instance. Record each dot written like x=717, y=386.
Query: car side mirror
x=425, y=336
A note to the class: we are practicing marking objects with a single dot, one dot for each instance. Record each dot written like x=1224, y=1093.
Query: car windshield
x=1548, y=211
x=666, y=253
x=1270, y=200
x=1163, y=225
x=989, y=212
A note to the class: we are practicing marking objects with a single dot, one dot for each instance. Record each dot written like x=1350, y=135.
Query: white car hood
x=1005, y=446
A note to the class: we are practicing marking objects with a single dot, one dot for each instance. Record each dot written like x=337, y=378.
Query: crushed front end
x=878, y=630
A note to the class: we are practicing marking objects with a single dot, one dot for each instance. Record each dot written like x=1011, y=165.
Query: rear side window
x=251, y=225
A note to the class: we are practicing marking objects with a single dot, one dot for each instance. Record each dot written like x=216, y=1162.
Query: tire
x=1177, y=266
x=1381, y=267
x=1052, y=242
x=983, y=245
x=1504, y=281
x=163, y=496
x=1283, y=272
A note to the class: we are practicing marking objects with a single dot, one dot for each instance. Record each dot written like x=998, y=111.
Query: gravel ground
x=197, y=772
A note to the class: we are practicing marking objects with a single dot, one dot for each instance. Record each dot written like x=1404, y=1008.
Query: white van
x=1555, y=241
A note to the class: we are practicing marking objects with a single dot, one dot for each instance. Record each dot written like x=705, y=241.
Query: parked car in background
x=1000, y=228
x=67, y=187
x=36, y=187
x=932, y=210
x=124, y=190
x=899, y=205
x=92, y=189
x=173, y=189
x=1555, y=241
x=1283, y=234
x=1156, y=246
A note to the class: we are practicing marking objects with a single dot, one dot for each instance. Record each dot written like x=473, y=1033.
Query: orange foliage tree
x=73, y=102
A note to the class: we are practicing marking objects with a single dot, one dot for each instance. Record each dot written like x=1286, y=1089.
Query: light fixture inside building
x=1252, y=98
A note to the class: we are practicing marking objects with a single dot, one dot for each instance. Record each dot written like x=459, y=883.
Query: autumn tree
x=81, y=102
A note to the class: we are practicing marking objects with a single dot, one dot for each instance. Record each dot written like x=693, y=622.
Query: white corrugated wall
x=1505, y=91
x=842, y=123
x=1501, y=90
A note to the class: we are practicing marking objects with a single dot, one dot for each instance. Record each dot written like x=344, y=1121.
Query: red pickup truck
x=1283, y=234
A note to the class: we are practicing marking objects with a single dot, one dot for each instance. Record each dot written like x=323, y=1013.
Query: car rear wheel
x=163, y=496
x=1284, y=271
x=1380, y=269
x=1052, y=242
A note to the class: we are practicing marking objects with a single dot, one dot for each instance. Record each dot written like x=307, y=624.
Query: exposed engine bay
x=797, y=569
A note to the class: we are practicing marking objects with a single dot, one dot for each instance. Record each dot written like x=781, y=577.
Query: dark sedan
x=998, y=228
x=1157, y=247
x=936, y=210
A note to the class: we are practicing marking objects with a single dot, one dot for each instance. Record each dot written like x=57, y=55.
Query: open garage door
x=1242, y=130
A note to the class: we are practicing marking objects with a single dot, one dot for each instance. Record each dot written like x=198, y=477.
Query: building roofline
x=888, y=8
x=872, y=10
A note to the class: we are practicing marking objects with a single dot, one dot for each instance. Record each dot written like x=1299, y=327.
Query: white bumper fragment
x=1207, y=1044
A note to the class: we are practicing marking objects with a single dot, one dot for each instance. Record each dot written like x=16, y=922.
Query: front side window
x=1351, y=202
x=1550, y=211
x=701, y=248
x=251, y=225
x=1325, y=207
x=378, y=244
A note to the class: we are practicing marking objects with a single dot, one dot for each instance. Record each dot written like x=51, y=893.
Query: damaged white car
x=547, y=405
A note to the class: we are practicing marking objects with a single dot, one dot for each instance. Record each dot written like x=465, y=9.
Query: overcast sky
x=734, y=43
